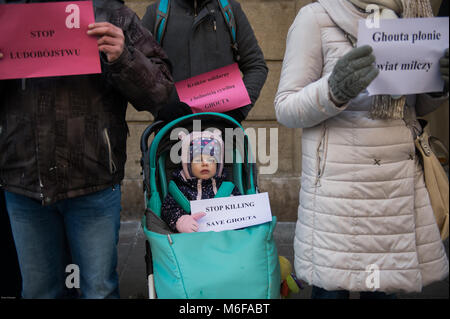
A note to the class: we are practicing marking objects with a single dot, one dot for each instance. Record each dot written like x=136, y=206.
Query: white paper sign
x=407, y=54
x=232, y=212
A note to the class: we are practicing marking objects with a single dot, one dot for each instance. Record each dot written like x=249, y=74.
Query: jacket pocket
x=111, y=163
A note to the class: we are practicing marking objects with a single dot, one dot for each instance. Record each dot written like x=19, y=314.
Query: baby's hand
x=188, y=223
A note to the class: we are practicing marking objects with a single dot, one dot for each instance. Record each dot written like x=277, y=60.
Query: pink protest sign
x=218, y=91
x=47, y=39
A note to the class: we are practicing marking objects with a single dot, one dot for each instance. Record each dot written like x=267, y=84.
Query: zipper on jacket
x=321, y=155
x=24, y=84
x=195, y=8
x=211, y=12
x=41, y=195
x=41, y=186
x=112, y=165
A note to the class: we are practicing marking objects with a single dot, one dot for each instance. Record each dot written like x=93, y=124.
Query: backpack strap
x=225, y=190
x=228, y=15
x=162, y=13
x=179, y=197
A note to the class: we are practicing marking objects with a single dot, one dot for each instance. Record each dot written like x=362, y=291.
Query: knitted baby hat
x=201, y=143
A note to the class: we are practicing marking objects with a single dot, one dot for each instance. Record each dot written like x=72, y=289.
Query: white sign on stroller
x=233, y=212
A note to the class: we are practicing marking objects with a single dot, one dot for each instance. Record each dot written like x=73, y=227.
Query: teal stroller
x=235, y=264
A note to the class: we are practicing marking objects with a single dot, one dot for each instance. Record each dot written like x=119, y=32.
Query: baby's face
x=204, y=166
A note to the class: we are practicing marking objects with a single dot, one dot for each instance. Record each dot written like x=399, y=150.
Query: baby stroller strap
x=162, y=13
x=225, y=190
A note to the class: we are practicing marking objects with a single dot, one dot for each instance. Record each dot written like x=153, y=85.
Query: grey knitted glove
x=352, y=74
x=443, y=62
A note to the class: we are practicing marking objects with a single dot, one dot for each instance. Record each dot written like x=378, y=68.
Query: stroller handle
x=146, y=135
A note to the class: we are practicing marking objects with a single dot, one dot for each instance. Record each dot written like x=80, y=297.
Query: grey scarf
x=394, y=5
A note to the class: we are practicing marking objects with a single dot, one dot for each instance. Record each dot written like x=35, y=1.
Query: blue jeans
x=83, y=231
x=320, y=293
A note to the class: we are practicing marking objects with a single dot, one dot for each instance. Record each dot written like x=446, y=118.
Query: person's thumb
x=198, y=216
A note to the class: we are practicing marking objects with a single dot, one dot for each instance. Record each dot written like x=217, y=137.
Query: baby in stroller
x=200, y=176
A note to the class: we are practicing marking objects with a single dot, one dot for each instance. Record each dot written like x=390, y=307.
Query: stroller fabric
x=241, y=264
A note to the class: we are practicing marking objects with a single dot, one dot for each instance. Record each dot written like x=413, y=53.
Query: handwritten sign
x=218, y=91
x=232, y=212
x=47, y=39
x=407, y=54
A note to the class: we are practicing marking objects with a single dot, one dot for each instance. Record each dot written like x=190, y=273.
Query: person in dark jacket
x=200, y=176
x=197, y=40
x=63, y=150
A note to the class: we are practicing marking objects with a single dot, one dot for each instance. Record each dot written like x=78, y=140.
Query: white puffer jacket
x=363, y=201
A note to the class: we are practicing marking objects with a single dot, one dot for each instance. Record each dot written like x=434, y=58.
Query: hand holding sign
x=188, y=223
x=352, y=74
x=111, y=39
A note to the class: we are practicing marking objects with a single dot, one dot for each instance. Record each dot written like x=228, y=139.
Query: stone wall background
x=270, y=20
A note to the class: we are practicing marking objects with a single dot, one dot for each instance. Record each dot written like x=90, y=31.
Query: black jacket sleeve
x=142, y=73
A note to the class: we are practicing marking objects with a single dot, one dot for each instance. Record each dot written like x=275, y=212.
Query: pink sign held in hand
x=218, y=91
x=47, y=39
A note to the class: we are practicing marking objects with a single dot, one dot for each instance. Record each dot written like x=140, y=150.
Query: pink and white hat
x=198, y=143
